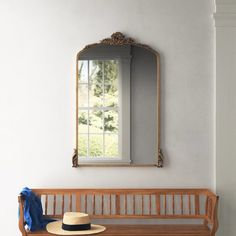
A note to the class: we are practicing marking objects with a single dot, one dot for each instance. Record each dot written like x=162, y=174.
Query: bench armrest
x=211, y=213
x=21, y=222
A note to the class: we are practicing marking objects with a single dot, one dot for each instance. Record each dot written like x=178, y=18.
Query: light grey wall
x=38, y=44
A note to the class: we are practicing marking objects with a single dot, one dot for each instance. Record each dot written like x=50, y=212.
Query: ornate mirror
x=117, y=104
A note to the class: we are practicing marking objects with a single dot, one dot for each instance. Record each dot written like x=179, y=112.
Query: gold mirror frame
x=119, y=39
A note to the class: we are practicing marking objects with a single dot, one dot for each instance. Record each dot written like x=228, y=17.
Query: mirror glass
x=117, y=105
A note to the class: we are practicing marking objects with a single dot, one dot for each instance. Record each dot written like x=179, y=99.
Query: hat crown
x=76, y=218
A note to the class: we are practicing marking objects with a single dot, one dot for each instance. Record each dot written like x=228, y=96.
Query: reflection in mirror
x=117, y=105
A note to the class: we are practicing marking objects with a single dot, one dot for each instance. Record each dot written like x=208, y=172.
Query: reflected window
x=101, y=120
x=98, y=108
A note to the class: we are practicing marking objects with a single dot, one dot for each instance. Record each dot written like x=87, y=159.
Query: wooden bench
x=130, y=204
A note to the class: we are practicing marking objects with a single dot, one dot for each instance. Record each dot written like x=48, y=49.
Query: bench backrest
x=131, y=203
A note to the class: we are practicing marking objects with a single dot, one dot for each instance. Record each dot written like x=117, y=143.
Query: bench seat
x=147, y=230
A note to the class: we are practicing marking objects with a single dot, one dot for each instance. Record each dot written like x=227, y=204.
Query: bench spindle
x=173, y=204
x=63, y=204
x=46, y=204
x=102, y=204
x=93, y=204
x=197, y=207
x=118, y=204
x=142, y=205
x=54, y=204
x=110, y=204
x=125, y=202
x=189, y=204
x=206, y=206
x=78, y=202
x=165, y=210
x=70, y=202
x=85, y=203
x=133, y=204
x=150, y=204
x=158, y=204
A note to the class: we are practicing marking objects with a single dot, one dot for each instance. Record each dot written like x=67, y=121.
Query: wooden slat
x=147, y=216
x=125, y=191
x=134, y=205
x=63, y=204
x=54, y=204
x=118, y=204
x=46, y=204
x=85, y=203
x=125, y=203
x=197, y=207
x=150, y=230
x=158, y=204
x=93, y=204
x=78, y=202
x=173, y=204
x=206, y=205
x=110, y=205
x=70, y=202
x=150, y=204
x=210, y=208
x=181, y=204
x=165, y=204
x=156, y=230
x=142, y=205
x=189, y=204
x=102, y=204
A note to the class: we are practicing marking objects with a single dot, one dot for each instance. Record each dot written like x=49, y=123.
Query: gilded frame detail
x=119, y=39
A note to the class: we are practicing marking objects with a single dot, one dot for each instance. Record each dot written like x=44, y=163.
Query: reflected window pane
x=83, y=95
x=96, y=71
x=111, y=95
x=83, y=122
x=95, y=95
x=96, y=121
x=110, y=71
x=111, y=145
x=111, y=121
x=83, y=145
x=96, y=145
x=83, y=71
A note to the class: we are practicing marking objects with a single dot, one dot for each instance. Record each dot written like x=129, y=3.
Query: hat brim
x=56, y=228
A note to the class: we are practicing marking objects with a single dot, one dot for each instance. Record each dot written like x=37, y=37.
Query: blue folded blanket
x=33, y=211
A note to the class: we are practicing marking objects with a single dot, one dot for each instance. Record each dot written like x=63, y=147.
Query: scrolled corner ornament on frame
x=75, y=158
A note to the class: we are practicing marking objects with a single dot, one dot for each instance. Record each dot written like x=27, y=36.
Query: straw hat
x=74, y=223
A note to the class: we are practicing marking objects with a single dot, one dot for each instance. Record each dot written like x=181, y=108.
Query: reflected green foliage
x=96, y=146
x=82, y=148
x=83, y=118
x=99, y=121
x=111, y=121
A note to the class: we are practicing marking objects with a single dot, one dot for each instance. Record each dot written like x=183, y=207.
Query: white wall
x=225, y=21
x=38, y=44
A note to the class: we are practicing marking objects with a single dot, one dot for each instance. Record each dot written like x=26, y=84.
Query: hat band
x=76, y=227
